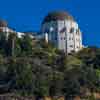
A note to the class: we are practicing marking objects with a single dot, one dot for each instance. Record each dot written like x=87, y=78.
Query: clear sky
x=27, y=15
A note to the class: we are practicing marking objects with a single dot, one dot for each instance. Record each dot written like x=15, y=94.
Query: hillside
x=30, y=67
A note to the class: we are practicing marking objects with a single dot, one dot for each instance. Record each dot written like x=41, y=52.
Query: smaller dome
x=3, y=23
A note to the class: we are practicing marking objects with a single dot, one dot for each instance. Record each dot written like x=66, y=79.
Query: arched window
x=64, y=29
x=72, y=30
x=77, y=31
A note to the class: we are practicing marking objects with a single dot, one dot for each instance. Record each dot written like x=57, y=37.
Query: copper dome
x=3, y=23
x=57, y=15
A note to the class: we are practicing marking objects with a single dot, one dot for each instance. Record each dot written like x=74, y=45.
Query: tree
x=24, y=78
x=26, y=45
x=11, y=44
x=3, y=43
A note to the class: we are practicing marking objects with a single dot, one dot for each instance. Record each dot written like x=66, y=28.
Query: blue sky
x=25, y=15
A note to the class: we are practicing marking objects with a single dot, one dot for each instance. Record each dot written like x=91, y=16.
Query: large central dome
x=57, y=15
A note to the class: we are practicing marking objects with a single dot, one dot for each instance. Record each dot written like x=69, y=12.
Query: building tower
x=60, y=29
x=4, y=28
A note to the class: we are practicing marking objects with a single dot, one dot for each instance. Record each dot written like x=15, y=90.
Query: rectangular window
x=71, y=46
x=69, y=38
x=61, y=38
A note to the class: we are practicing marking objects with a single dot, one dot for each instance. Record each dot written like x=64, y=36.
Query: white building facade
x=62, y=31
x=5, y=29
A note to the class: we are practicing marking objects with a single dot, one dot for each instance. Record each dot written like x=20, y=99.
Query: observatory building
x=60, y=29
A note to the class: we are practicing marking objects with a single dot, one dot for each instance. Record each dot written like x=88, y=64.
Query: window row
x=63, y=38
x=72, y=46
x=72, y=30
